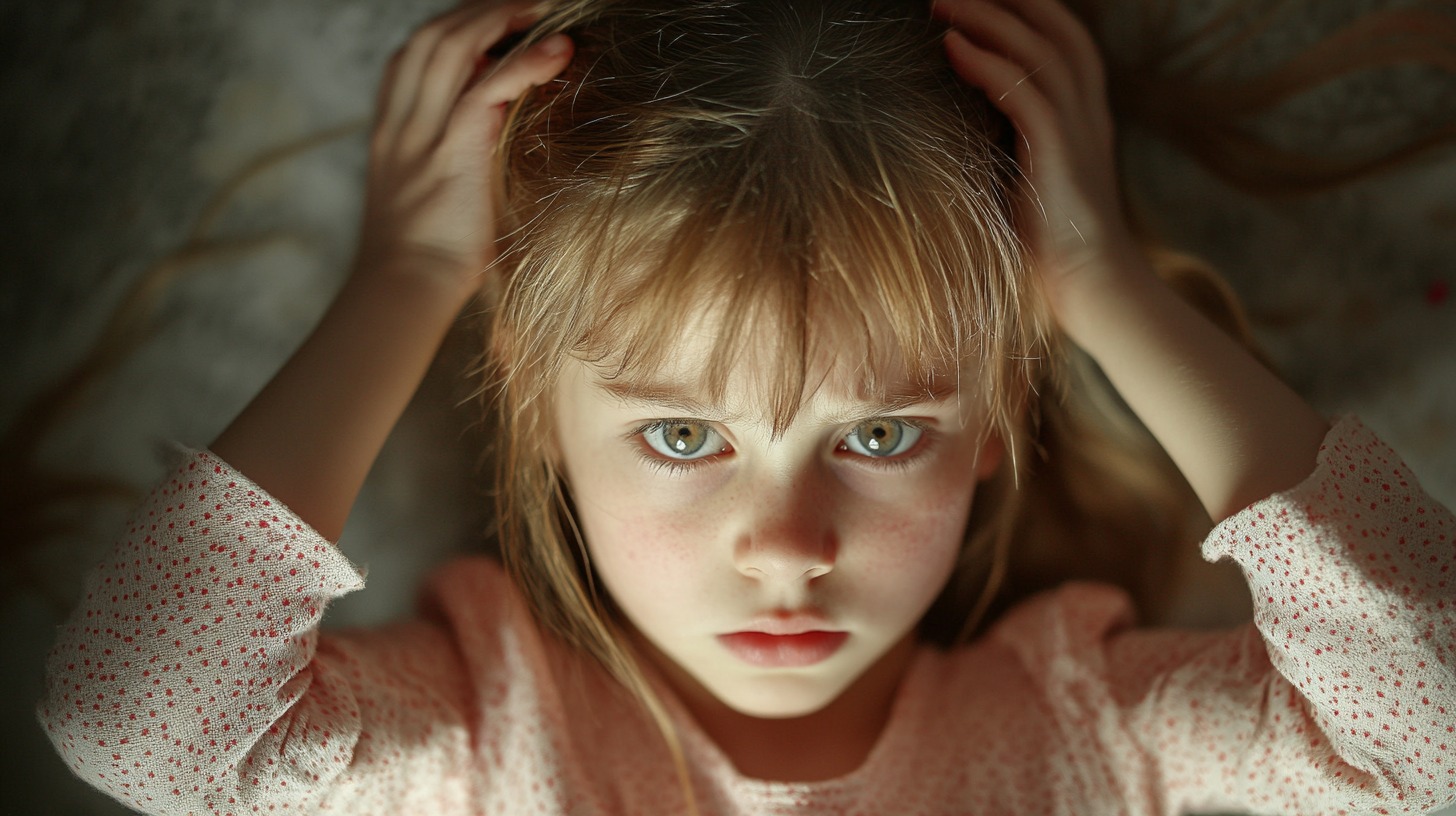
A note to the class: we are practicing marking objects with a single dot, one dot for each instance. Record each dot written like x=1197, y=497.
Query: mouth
x=796, y=650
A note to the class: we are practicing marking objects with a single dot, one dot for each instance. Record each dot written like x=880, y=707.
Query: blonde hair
x=815, y=168
x=626, y=159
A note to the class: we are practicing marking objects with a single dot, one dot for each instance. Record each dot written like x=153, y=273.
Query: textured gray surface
x=124, y=117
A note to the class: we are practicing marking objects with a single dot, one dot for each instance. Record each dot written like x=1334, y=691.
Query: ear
x=988, y=458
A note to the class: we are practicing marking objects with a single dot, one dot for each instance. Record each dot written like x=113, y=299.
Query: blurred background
x=181, y=186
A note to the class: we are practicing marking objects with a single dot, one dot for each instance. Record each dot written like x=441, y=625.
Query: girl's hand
x=1234, y=429
x=429, y=208
x=312, y=434
x=1040, y=67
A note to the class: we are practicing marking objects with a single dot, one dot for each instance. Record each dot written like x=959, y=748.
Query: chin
x=778, y=697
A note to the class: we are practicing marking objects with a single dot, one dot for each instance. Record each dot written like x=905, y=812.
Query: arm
x=1235, y=430
x=1343, y=698
x=191, y=677
x=315, y=430
x=1337, y=699
x=311, y=436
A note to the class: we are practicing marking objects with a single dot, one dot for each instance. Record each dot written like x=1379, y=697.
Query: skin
x=1235, y=430
x=310, y=436
x=755, y=524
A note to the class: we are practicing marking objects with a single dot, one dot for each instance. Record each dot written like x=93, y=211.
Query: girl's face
x=771, y=572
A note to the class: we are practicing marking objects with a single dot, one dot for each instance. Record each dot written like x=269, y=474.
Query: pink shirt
x=193, y=679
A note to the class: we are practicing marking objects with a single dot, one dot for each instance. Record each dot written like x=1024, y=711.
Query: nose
x=789, y=532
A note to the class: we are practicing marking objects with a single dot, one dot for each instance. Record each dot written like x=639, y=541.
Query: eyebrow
x=662, y=395
x=678, y=398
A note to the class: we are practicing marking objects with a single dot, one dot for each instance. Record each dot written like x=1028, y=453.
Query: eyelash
x=676, y=467
x=902, y=461
x=671, y=467
x=659, y=463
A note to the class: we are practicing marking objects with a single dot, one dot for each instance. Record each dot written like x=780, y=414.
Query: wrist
x=419, y=280
x=1109, y=287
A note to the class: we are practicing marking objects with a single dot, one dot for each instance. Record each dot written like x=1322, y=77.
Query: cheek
x=917, y=531
x=613, y=505
x=641, y=543
x=639, y=538
x=910, y=538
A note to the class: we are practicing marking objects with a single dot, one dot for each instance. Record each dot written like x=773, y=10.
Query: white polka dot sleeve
x=182, y=682
x=1341, y=698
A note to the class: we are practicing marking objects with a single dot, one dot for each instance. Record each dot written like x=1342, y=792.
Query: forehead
x=732, y=315
x=709, y=369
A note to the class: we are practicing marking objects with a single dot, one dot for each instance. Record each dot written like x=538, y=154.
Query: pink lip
x=789, y=623
x=783, y=650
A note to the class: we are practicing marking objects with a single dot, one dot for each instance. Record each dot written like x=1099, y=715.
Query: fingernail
x=555, y=45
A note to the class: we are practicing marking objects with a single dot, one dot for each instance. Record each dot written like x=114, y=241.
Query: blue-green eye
x=681, y=439
x=881, y=438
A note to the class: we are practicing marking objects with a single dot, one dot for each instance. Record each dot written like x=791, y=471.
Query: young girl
x=777, y=294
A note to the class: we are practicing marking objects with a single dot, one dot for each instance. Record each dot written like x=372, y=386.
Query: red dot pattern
x=192, y=679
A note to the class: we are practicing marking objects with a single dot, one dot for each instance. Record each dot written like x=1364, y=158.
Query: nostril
x=785, y=570
x=786, y=553
x=814, y=572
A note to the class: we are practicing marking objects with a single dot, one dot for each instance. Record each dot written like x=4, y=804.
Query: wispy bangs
x=910, y=281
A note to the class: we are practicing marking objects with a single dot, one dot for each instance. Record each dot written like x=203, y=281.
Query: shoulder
x=476, y=579
x=475, y=598
x=1065, y=620
x=503, y=643
x=1014, y=704
x=1061, y=633
x=1083, y=640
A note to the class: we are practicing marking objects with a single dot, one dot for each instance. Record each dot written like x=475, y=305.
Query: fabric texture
x=192, y=678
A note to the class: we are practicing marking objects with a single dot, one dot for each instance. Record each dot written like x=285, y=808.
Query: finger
x=1006, y=85
x=1069, y=35
x=462, y=33
x=481, y=109
x=402, y=74
x=456, y=60
x=992, y=27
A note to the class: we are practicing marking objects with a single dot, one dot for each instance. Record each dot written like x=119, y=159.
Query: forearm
x=428, y=236
x=312, y=434
x=1236, y=431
